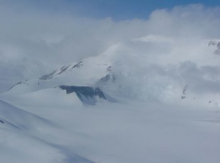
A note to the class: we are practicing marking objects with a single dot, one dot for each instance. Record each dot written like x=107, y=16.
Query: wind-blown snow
x=163, y=73
x=165, y=112
x=119, y=133
x=124, y=71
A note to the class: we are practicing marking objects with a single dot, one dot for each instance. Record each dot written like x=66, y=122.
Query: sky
x=116, y=9
x=37, y=37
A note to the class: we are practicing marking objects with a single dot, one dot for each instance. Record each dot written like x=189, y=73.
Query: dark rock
x=85, y=94
x=78, y=65
x=15, y=85
x=48, y=76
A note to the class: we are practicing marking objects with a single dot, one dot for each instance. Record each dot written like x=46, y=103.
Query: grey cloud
x=215, y=44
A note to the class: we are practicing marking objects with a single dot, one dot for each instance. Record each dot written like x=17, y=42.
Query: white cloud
x=176, y=40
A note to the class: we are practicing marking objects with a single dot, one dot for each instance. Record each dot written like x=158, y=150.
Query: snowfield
x=50, y=126
x=140, y=101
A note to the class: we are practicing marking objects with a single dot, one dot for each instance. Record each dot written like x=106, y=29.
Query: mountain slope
x=125, y=71
x=79, y=75
x=22, y=138
x=163, y=113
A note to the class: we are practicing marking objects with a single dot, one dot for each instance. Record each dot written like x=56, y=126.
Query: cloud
x=169, y=47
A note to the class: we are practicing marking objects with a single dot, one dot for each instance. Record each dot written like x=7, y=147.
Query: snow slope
x=83, y=73
x=166, y=113
x=83, y=76
x=123, y=72
x=116, y=133
x=22, y=138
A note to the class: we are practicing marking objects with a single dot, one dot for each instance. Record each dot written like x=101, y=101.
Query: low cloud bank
x=171, y=49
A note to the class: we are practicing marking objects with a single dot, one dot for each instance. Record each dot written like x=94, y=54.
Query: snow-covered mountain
x=79, y=87
x=125, y=72
x=118, y=74
x=54, y=119
x=82, y=78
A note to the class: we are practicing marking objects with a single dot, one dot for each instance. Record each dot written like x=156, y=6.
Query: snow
x=76, y=74
x=56, y=127
x=150, y=122
x=137, y=70
x=22, y=138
